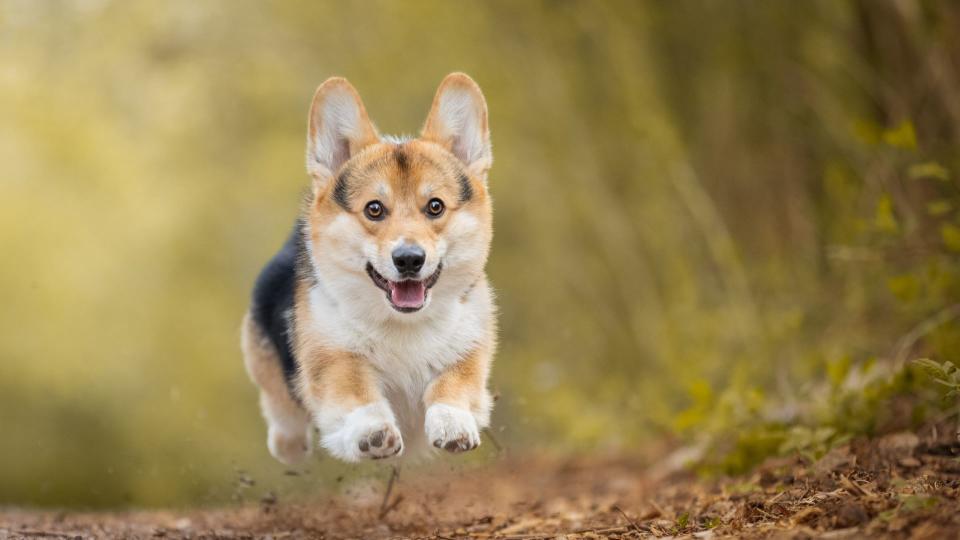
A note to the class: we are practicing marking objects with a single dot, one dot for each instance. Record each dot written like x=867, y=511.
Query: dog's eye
x=435, y=208
x=374, y=210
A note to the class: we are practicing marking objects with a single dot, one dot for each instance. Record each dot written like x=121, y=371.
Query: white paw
x=368, y=432
x=288, y=448
x=451, y=428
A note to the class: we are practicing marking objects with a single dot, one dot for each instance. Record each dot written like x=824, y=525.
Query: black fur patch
x=403, y=162
x=466, y=190
x=305, y=273
x=341, y=191
x=273, y=301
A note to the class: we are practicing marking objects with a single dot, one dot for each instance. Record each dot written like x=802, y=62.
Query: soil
x=903, y=485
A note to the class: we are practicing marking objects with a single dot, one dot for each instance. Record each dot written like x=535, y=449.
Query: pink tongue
x=407, y=294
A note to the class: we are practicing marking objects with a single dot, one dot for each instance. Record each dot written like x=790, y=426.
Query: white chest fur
x=406, y=350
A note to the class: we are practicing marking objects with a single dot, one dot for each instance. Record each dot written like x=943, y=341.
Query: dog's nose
x=409, y=259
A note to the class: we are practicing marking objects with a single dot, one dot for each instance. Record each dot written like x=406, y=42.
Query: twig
x=533, y=536
x=384, y=507
x=493, y=440
x=385, y=511
x=632, y=523
x=776, y=497
x=601, y=531
x=854, y=489
x=766, y=514
x=37, y=532
x=657, y=507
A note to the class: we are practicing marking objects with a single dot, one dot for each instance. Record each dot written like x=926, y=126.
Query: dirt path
x=900, y=486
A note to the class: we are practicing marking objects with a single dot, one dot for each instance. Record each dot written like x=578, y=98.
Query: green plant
x=943, y=373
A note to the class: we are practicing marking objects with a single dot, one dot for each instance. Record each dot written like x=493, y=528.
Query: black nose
x=408, y=259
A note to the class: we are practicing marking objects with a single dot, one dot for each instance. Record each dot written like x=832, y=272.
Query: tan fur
x=429, y=165
x=463, y=384
x=329, y=375
x=435, y=131
x=345, y=389
x=332, y=89
x=292, y=443
x=331, y=379
x=430, y=168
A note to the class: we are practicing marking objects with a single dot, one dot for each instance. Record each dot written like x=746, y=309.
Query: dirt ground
x=903, y=485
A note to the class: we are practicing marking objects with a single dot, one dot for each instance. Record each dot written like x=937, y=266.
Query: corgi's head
x=398, y=225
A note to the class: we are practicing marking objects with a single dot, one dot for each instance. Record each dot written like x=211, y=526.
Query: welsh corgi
x=375, y=323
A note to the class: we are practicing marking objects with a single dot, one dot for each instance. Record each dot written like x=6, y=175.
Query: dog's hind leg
x=289, y=430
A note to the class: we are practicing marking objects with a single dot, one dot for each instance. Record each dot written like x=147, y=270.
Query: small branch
x=388, y=509
x=493, y=440
x=632, y=523
x=385, y=505
x=48, y=534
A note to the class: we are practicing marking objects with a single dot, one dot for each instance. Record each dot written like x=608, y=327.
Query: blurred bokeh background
x=704, y=211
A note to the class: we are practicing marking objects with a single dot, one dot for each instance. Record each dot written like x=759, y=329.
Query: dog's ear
x=337, y=128
x=458, y=122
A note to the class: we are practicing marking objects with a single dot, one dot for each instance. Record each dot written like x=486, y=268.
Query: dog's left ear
x=458, y=122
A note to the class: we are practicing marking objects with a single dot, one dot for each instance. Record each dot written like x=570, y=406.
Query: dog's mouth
x=408, y=295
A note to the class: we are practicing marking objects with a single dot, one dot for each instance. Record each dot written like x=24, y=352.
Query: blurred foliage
x=699, y=227
x=945, y=374
x=868, y=401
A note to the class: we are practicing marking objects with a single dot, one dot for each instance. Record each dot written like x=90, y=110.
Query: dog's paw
x=381, y=443
x=368, y=432
x=451, y=428
x=287, y=448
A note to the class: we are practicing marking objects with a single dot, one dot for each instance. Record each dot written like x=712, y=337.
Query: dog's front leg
x=458, y=404
x=355, y=420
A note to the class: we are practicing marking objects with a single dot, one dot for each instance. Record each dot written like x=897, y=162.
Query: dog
x=375, y=322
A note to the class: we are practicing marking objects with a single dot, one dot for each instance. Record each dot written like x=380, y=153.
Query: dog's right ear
x=337, y=128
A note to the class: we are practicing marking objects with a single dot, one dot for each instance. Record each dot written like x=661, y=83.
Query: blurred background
x=761, y=199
